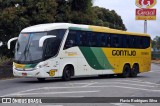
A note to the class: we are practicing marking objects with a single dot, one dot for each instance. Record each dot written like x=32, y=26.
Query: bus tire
x=126, y=71
x=67, y=73
x=134, y=70
x=41, y=79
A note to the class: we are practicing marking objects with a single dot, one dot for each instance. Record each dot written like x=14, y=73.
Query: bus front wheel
x=67, y=73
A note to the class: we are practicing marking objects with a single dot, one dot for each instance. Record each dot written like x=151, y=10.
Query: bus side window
x=99, y=39
x=120, y=41
x=58, y=32
x=50, y=45
x=141, y=43
x=128, y=42
x=146, y=42
x=103, y=40
x=115, y=41
x=124, y=41
x=108, y=40
x=94, y=40
x=89, y=39
x=136, y=42
x=82, y=39
x=131, y=41
x=71, y=40
x=85, y=38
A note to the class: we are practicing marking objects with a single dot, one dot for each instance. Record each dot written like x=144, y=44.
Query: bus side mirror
x=1, y=43
x=9, y=42
x=41, y=41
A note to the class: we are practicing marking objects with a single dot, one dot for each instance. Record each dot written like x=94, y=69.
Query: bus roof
x=52, y=26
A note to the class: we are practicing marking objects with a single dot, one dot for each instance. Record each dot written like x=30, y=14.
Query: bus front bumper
x=37, y=73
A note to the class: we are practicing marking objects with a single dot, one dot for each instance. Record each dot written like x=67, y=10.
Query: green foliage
x=108, y=18
x=156, y=43
x=81, y=5
x=18, y=14
x=63, y=11
x=29, y=12
x=4, y=60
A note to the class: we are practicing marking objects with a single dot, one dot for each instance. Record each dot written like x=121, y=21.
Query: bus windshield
x=28, y=50
x=27, y=47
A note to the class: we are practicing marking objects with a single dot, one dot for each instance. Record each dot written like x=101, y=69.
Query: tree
x=108, y=18
x=18, y=14
x=81, y=5
x=27, y=13
x=63, y=11
x=156, y=43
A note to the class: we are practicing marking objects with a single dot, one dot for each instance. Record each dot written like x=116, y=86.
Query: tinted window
x=71, y=39
x=95, y=39
x=115, y=41
x=103, y=40
x=141, y=42
x=52, y=45
x=99, y=38
x=83, y=39
x=146, y=42
x=108, y=40
x=137, y=42
x=132, y=41
x=58, y=32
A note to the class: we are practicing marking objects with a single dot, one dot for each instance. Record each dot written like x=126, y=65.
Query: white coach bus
x=66, y=50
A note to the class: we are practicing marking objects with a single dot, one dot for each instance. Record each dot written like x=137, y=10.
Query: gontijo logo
x=146, y=3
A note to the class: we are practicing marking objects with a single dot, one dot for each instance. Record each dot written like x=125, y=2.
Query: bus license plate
x=24, y=74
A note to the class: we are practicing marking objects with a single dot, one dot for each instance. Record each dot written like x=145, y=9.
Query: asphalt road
x=145, y=85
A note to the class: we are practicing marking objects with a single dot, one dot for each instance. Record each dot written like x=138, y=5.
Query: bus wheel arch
x=134, y=70
x=68, y=72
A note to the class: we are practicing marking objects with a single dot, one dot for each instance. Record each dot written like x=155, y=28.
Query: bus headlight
x=43, y=64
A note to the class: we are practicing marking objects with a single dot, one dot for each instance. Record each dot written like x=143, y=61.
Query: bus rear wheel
x=126, y=71
x=134, y=70
x=67, y=73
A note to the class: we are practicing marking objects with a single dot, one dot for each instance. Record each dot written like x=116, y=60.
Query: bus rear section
x=108, y=52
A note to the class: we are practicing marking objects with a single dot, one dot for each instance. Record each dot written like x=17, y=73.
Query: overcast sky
x=126, y=9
